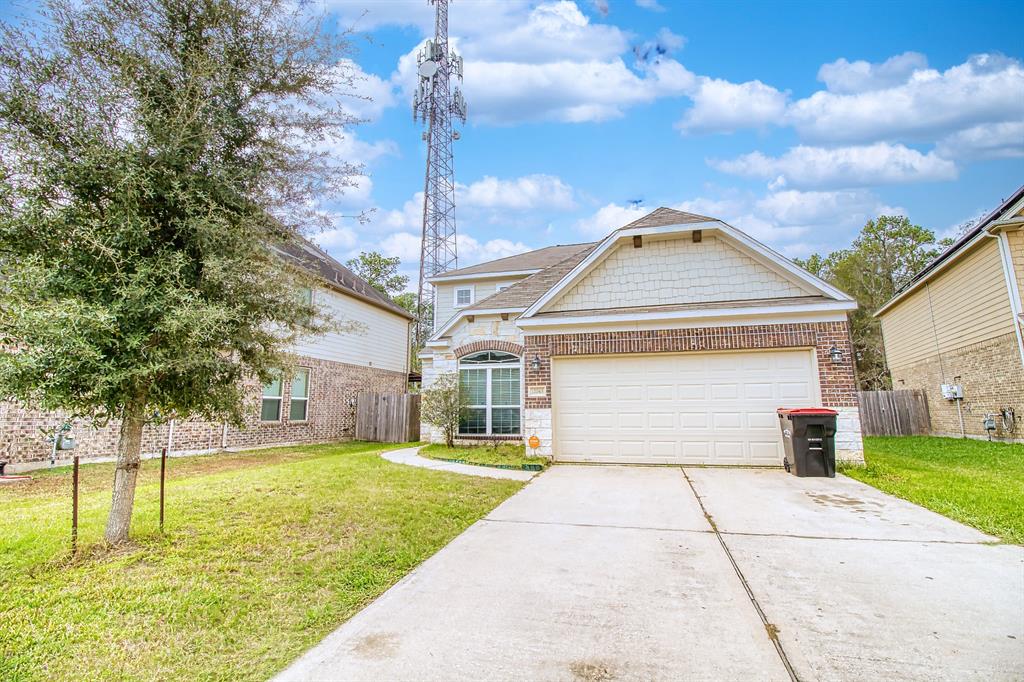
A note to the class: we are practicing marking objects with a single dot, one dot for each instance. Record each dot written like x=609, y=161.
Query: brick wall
x=838, y=383
x=331, y=386
x=992, y=376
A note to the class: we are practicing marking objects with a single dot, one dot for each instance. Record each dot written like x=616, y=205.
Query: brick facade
x=332, y=385
x=992, y=376
x=838, y=383
x=504, y=346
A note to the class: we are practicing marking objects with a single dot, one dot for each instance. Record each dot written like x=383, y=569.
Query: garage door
x=692, y=408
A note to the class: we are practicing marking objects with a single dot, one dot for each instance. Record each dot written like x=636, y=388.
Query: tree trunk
x=129, y=446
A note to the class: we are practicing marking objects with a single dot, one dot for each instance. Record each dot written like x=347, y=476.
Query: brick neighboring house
x=672, y=340
x=960, y=322
x=314, y=405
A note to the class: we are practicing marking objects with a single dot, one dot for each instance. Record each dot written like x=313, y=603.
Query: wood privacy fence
x=894, y=413
x=388, y=417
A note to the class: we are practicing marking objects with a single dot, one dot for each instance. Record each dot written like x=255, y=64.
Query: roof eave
x=825, y=307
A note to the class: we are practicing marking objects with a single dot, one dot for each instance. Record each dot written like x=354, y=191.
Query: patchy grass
x=503, y=454
x=264, y=554
x=979, y=483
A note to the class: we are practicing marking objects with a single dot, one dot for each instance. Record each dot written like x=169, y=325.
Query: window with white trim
x=463, y=297
x=270, y=408
x=298, y=404
x=490, y=386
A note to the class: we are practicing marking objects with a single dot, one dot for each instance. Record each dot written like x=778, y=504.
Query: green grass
x=503, y=454
x=978, y=483
x=263, y=555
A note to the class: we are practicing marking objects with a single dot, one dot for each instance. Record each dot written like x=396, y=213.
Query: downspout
x=1011, y=287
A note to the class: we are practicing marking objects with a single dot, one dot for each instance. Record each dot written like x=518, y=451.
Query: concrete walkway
x=602, y=573
x=410, y=457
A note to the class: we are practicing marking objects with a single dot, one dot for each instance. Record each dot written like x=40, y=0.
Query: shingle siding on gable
x=675, y=271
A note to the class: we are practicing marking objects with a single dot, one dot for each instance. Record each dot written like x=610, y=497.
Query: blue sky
x=795, y=122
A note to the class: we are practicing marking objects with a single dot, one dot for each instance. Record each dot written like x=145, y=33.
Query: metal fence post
x=74, y=507
x=163, y=472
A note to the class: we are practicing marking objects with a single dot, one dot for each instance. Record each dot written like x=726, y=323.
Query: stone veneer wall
x=331, y=386
x=837, y=381
x=992, y=376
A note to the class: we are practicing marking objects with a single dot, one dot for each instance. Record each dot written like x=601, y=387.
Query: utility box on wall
x=952, y=391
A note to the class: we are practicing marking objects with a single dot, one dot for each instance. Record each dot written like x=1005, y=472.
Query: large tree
x=885, y=255
x=380, y=271
x=159, y=155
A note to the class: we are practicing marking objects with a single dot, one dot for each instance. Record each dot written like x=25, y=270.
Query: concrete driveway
x=608, y=573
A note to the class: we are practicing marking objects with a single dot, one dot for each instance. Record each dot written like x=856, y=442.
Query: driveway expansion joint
x=770, y=628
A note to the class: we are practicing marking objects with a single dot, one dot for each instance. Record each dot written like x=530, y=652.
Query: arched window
x=490, y=387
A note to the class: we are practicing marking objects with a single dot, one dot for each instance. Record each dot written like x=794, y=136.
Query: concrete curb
x=410, y=457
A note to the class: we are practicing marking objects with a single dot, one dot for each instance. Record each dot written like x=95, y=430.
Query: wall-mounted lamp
x=535, y=363
x=835, y=354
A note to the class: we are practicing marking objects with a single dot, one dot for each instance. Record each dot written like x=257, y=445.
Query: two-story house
x=672, y=340
x=315, y=404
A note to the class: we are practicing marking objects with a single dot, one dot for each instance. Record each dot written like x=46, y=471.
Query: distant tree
x=380, y=271
x=155, y=156
x=882, y=259
x=407, y=300
x=442, y=405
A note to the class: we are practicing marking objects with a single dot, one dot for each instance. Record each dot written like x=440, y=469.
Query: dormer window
x=463, y=297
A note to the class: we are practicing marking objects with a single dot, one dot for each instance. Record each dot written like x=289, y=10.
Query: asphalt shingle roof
x=525, y=292
x=321, y=263
x=531, y=260
x=666, y=216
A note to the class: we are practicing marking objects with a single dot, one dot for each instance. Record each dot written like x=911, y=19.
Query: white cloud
x=370, y=94
x=722, y=106
x=987, y=88
x=406, y=246
x=552, y=63
x=608, y=218
x=861, y=166
x=842, y=76
x=986, y=141
x=664, y=43
x=523, y=193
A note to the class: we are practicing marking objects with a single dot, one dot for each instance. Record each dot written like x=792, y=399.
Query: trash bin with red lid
x=809, y=435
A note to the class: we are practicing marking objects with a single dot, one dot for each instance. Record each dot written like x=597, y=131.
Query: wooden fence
x=388, y=417
x=894, y=413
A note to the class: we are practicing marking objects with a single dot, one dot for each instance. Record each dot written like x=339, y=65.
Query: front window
x=270, y=410
x=298, y=406
x=489, y=385
x=463, y=297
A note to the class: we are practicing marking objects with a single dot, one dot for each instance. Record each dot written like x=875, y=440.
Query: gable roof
x=955, y=248
x=530, y=261
x=319, y=262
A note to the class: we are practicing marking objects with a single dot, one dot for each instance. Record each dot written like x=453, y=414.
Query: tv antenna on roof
x=435, y=103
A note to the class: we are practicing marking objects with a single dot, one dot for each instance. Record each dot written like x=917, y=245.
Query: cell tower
x=435, y=104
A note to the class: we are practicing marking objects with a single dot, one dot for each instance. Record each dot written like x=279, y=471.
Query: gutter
x=1010, y=278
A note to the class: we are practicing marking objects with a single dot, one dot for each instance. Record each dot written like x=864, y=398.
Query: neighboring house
x=959, y=322
x=315, y=404
x=672, y=340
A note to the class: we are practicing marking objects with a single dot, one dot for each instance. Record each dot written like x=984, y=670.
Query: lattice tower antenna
x=435, y=103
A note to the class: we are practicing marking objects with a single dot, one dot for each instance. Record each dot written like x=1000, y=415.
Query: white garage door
x=692, y=408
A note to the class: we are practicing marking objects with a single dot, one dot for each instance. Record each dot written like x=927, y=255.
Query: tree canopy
x=156, y=156
x=882, y=259
x=380, y=271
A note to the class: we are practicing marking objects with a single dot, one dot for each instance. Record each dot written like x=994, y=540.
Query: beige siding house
x=312, y=405
x=959, y=323
x=673, y=340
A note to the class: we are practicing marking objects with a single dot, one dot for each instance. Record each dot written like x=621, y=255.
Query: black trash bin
x=809, y=435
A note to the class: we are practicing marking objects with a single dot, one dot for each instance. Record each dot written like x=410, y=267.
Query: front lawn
x=263, y=555
x=504, y=454
x=979, y=483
